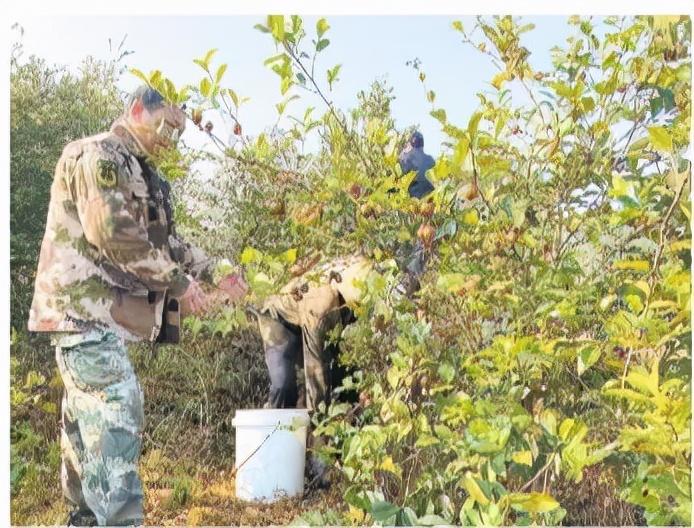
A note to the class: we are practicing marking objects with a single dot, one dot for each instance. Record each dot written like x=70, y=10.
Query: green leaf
x=628, y=394
x=620, y=187
x=285, y=85
x=446, y=371
x=205, y=87
x=262, y=28
x=471, y=217
x=607, y=301
x=548, y=420
x=473, y=489
x=431, y=520
x=332, y=74
x=357, y=498
x=321, y=27
x=473, y=124
x=382, y=511
x=208, y=56
x=220, y=73
x=322, y=44
x=440, y=115
x=426, y=440
x=289, y=256
x=234, y=97
x=275, y=58
x=451, y=282
x=660, y=138
x=140, y=75
x=587, y=357
x=588, y=104
x=499, y=79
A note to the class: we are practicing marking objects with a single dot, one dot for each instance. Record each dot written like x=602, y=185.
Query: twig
x=475, y=177
x=663, y=235
x=539, y=473
x=626, y=366
x=329, y=104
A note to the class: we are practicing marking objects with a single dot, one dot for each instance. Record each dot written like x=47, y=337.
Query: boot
x=81, y=518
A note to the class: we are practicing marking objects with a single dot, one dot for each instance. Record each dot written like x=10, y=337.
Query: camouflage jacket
x=110, y=253
x=306, y=300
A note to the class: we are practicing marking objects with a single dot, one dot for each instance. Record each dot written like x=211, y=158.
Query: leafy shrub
x=551, y=332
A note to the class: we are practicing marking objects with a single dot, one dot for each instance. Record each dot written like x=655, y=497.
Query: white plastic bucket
x=270, y=453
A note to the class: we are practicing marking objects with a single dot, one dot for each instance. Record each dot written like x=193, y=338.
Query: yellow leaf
x=533, y=502
x=660, y=138
x=289, y=256
x=471, y=217
x=389, y=465
x=523, y=457
x=500, y=78
x=635, y=265
x=680, y=245
x=355, y=515
x=473, y=489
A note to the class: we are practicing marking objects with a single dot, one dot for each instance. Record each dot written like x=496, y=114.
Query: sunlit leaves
x=163, y=85
x=660, y=138
x=321, y=27
x=275, y=24
x=332, y=75
x=541, y=282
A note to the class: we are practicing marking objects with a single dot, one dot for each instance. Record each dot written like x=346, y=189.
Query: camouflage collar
x=121, y=129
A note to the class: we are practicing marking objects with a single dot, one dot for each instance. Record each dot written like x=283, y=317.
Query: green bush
x=551, y=333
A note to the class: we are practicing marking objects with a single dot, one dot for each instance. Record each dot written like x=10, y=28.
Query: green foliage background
x=541, y=374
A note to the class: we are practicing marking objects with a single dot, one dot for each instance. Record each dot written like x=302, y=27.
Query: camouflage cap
x=151, y=98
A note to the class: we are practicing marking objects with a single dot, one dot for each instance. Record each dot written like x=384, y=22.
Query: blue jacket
x=417, y=160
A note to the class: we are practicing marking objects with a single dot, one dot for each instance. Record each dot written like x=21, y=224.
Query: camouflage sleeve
x=193, y=259
x=111, y=208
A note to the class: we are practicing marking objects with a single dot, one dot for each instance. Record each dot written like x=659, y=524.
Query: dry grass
x=594, y=500
x=191, y=394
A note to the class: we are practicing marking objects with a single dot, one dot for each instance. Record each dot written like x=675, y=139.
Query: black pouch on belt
x=171, y=322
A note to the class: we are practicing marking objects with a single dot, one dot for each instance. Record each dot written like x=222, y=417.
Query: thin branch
x=539, y=473
x=663, y=235
x=329, y=104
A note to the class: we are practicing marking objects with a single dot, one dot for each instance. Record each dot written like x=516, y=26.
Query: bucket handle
x=239, y=466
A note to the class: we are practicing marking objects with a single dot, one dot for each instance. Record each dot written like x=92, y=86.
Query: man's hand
x=194, y=300
x=234, y=286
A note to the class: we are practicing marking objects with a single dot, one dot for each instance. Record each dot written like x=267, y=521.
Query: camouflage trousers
x=102, y=421
x=287, y=347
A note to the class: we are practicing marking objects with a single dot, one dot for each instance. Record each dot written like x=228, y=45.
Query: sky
x=368, y=47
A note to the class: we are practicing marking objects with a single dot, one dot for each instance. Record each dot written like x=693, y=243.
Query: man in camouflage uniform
x=294, y=323
x=112, y=269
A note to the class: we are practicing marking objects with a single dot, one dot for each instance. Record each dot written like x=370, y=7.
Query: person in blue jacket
x=414, y=159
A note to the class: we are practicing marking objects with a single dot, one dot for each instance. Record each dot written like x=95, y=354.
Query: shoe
x=81, y=518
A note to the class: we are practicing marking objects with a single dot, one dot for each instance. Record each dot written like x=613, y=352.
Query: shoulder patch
x=106, y=173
